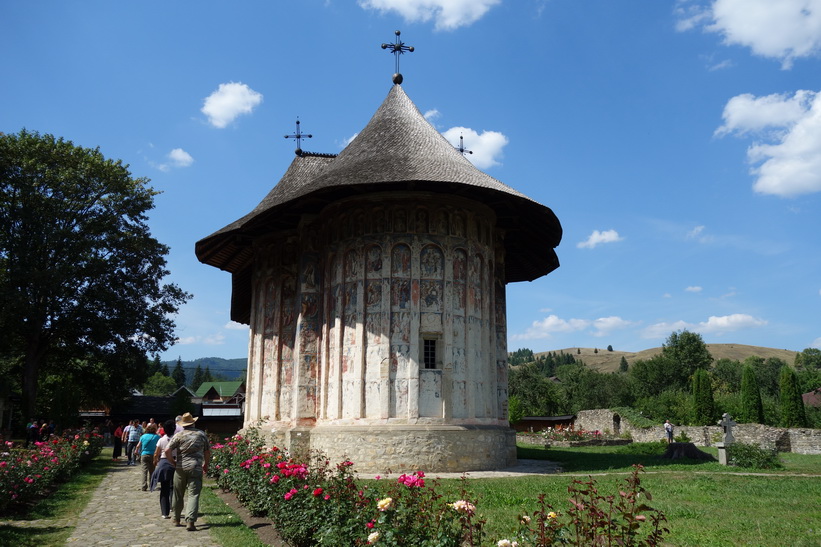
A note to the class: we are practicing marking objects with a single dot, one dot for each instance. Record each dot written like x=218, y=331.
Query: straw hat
x=188, y=420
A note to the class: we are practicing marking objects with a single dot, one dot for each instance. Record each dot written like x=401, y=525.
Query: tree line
x=683, y=384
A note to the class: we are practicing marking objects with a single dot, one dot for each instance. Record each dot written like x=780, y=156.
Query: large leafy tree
x=80, y=274
x=686, y=353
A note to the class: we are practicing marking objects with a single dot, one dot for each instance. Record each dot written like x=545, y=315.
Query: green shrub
x=752, y=456
x=633, y=416
x=643, y=449
x=682, y=438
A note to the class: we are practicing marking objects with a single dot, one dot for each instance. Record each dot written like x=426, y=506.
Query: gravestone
x=727, y=423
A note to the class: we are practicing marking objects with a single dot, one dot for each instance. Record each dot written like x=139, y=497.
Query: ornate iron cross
x=397, y=48
x=298, y=136
x=461, y=148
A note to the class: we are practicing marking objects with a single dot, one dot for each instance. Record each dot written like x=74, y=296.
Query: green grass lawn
x=706, y=504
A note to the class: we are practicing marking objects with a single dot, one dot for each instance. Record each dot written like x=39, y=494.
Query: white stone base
x=407, y=448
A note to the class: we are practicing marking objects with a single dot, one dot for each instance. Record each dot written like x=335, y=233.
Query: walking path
x=120, y=514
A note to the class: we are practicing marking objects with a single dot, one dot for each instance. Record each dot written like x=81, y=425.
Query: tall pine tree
x=752, y=410
x=792, y=405
x=198, y=379
x=179, y=374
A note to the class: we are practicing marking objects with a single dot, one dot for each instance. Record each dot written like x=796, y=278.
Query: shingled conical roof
x=398, y=150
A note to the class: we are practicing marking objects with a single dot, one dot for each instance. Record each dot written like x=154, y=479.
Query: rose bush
x=314, y=503
x=29, y=473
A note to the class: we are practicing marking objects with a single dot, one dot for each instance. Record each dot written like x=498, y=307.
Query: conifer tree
x=792, y=406
x=165, y=370
x=198, y=379
x=752, y=409
x=207, y=376
x=623, y=366
x=703, y=405
x=179, y=373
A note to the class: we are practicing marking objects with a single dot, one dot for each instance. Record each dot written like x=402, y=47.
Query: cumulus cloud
x=605, y=325
x=180, y=158
x=553, y=324
x=785, y=30
x=717, y=325
x=447, y=14
x=550, y=325
x=787, y=157
x=597, y=237
x=176, y=158
x=229, y=101
x=486, y=147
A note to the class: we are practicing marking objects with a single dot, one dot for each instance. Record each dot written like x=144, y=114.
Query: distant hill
x=608, y=361
x=230, y=369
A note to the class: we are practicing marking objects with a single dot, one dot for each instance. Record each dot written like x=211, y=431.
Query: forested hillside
x=754, y=384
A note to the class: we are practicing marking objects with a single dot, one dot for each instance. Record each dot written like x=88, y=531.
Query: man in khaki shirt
x=193, y=457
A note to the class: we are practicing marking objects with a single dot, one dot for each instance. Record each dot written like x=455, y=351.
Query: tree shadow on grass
x=610, y=459
x=33, y=536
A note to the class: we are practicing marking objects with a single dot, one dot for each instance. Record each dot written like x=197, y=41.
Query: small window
x=429, y=353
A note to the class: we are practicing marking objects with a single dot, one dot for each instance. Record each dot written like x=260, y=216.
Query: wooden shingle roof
x=398, y=150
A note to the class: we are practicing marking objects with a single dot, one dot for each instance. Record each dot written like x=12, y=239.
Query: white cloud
x=780, y=29
x=180, y=158
x=597, y=237
x=550, y=325
x=349, y=140
x=787, y=158
x=785, y=30
x=605, y=325
x=486, y=148
x=232, y=325
x=747, y=113
x=229, y=101
x=693, y=289
x=448, y=14
x=176, y=158
x=714, y=325
x=553, y=324
x=432, y=114
x=816, y=343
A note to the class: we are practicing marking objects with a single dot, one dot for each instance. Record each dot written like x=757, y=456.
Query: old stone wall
x=800, y=441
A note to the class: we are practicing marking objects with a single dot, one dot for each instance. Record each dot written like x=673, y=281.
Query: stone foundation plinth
x=407, y=448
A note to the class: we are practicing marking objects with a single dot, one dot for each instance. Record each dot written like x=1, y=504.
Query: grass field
x=706, y=504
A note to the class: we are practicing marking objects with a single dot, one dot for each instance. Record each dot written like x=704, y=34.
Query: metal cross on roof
x=397, y=48
x=461, y=148
x=298, y=136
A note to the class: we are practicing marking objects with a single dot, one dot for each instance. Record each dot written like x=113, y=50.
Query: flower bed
x=314, y=503
x=27, y=474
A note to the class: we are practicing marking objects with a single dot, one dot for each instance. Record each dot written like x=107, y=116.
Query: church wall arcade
x=378, y=334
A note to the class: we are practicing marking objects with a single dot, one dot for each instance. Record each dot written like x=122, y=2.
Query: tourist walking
x=145, y=448
x=191, y=462
x=131, y=436
x=164, y=471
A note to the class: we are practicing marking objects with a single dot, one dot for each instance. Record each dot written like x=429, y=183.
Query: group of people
x=38, y=430
x=174, y=455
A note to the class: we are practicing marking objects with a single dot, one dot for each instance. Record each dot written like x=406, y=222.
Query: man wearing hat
x=193, y=457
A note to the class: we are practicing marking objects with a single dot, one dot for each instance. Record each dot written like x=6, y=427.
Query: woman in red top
x=118, y=442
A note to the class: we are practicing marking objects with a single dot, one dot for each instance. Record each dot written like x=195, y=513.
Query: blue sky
x=678, y=142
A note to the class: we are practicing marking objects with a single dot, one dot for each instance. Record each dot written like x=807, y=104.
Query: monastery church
x=373, y=282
